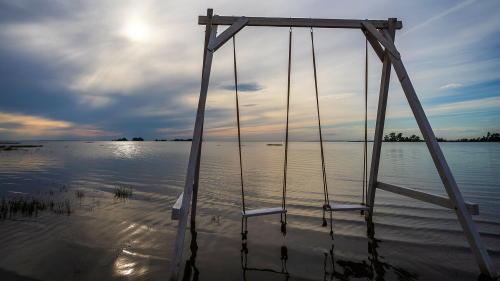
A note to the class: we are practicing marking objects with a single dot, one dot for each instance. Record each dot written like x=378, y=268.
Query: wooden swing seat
x=263, y=212
x=347, y=208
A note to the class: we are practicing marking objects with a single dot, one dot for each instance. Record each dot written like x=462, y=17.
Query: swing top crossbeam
x=298, y=22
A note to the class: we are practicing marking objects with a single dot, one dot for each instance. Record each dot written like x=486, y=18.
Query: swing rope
x=238, y=121
x=283, y=203
x=365, y=156
x=325, y=186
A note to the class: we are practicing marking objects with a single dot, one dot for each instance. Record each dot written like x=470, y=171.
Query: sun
x=137, y=31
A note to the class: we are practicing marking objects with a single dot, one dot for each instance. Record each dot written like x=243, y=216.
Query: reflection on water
x=106, y=238
x=190, y=268
x=126, y=149
x=283, y=224
x=244, y=253
x=124, y=268
x=370, y=269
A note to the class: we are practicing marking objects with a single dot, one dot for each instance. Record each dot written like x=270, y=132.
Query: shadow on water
x=244, y=252
x=190, y=269
x=372, y=268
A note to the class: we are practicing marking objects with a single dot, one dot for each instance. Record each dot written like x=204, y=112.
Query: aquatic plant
x=123, y=192
x=95, y=202
x=216, y=219
x=27, y=207
x=63, y=208
x=79, y=195
x=4, y=209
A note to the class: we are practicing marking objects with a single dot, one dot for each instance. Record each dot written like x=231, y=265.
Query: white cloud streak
x=441, y=15
x=29, y=126
x=451, y=86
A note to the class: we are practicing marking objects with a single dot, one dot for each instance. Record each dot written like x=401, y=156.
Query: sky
x=101, y=70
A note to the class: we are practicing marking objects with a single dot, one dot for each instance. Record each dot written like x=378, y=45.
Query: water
x=109, y=238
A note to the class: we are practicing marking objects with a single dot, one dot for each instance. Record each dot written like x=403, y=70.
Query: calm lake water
x=102, y=237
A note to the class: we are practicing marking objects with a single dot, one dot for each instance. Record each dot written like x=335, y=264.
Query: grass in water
x=63, y=208
x=30, y=206
x=79, y=195
x=123, y=192
x=216, y=219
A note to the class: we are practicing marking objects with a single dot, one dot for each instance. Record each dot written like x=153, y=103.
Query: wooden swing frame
x=380, y=34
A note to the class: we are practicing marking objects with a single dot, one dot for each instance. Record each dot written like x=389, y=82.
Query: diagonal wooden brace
x=457, y=201
x=217, y=42
x=387, y=35
x=389, y=46
x=375, y=45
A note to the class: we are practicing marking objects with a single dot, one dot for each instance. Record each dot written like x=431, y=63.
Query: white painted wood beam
x=388, y=45
x=195, y=146
x=176, y=209
x=263, y=212
x=478, y=248
x=355, y=207
x=435, y=199
x=217, y=42
x=298, y=22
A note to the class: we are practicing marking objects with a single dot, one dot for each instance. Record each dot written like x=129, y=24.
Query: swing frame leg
x=193, y=156
x=464, y=217
x=379, y=127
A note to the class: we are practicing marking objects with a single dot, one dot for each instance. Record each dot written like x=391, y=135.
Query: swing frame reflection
x=244, y=252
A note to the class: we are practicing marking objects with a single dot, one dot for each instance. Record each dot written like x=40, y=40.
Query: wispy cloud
x=451, y=86
x=339, y=96
x=245, y=87
x=463, y=107
x=15, y=125
x=445, y=13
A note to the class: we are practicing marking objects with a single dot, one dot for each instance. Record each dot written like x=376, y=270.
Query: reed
x=123, y=192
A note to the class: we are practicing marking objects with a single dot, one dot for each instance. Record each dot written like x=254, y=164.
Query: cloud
x=95, y=101
x=133, y=67
x=445, y=13
x=470, y=106
x=339, y=96
x=248, y=87
x=451, y=86
x=12, y=125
